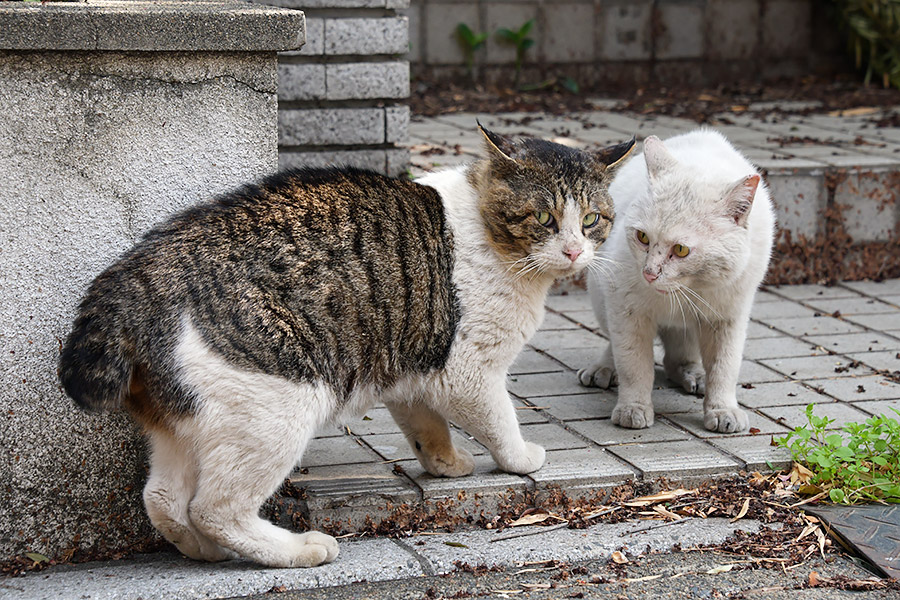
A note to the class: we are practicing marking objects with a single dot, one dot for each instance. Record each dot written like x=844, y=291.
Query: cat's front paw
x=633, y=416
x=528, y=461
x=726, y=420
x=599, y=375
x=459, y=463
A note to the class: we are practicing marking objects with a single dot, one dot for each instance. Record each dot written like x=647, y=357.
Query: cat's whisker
x=702, y=301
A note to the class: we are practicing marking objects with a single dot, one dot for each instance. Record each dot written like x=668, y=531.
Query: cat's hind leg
x=429, y=436
x=169, y=489
x=601, y=374
x=682, y=358
x=249, y=445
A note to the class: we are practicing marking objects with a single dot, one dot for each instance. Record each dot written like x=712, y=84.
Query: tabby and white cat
x=689, y=248
x=238, y=328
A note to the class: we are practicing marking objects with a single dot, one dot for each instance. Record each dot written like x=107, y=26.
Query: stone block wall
x=115, y=114
x=341, y=97
x=631, y=42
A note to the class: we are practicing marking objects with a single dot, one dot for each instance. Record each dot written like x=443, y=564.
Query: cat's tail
x=94, y=366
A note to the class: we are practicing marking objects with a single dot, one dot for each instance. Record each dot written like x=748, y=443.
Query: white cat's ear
x=614, y=156
x=658, y=158
x=739, y=198
x=498, y=146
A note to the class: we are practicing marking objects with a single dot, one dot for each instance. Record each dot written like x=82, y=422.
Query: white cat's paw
x=726, y=420
x=690, y=377
x=599, y=375
x=459, y=464
x=316, y=548
x=633, y=416
x=527, y=462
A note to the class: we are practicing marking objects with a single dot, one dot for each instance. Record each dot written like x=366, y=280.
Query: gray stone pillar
x=114, y=115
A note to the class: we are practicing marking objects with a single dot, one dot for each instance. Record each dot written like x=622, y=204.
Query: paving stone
x=556, y=322
x=756, y=330
x=376, y=421
x=341, y=450
x=880, y=407
x=860, y=388
x=356, y=81
x=779, y=310
x=532, y=361
x=598, y=404
x=393, y=446
x=377, y=35
x=868, y=341
x=756, y=451
x=681, y=32
x=886, y=322
x=561, y=340
x=880, y=360
x=585, y=318
x=732, y=27
x=579, y=358
x=584, y=467
x=677, y=459
x=351, y=494
x=890, y=287
x=528, y=414
x=552, y=436
x=439, y=21
x=778, y=347
x=300, y=82
x=813, y=291
x=800, y=200
x=794, y=416
x=487, y=480
x=870, y=213
x=605, y=433
x=693, y=422
x=763, y=295
x=569, y=33
x=782, y=393
x=566, y=302
x=812, y=367
x=805, y=326
x=396, y=124
x=671, y=400
x=853, y=306
x=331, y=126
x=625, y=30
x=752, y=372
x=546, y=384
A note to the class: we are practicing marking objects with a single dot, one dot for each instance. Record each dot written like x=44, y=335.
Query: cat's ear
x=739, y=198
x=614, y=156
x=657, y=156
x=500, y=148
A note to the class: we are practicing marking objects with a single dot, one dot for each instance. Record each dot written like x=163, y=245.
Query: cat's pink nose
x=573, y=253
x=650, y=277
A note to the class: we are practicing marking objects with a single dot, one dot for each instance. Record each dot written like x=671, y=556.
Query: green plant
x=861, y=464
x=520, y=40
x=873, y=35
x=470, y=42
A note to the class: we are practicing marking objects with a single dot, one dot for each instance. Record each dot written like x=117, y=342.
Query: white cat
x=689, y=247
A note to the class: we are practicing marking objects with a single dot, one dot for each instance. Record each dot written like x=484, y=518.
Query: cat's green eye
x=543, y=217
x=642, y=237
x=681, y=251
x=590, y=219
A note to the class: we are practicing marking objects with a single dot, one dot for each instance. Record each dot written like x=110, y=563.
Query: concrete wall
x=631, y=42
x=95, y=147
x=341, y=96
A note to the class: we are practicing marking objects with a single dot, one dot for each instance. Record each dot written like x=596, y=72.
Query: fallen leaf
x=536, y=586
x=619, y=558
x=530, y=519
x=455, y=544
x=667, y=513
x=854, y=112
x=37, y=557
x=820, y=536
x=813, y=579
x=720, y=569
x=646, y=578
x=743, y=510
x=660, y=497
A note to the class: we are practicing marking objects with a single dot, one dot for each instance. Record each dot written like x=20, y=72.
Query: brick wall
x=631, y=42
x=341, y=97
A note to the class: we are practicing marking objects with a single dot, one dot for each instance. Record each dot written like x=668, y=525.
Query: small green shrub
x=873, y=36
x=470, y=42
x=520, y=40
x=862, y=464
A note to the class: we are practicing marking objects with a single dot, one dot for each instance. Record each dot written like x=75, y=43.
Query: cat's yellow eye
x=590, y=219
x=642, y=237
x=543, y=217
x=681, y=251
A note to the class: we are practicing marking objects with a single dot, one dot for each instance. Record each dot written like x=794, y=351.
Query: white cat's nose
x=573, y=253
x=650, y=277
